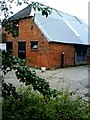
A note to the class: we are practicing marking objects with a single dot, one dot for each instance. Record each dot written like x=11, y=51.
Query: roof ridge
x=57, y=10
x=30, y=5
x=16, y=15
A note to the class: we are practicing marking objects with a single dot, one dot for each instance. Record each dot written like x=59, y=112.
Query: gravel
x=73, y=79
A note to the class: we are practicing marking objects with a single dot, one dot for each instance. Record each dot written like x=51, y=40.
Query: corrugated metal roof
x=63, y=28
x=56, y=30
x=59, y=26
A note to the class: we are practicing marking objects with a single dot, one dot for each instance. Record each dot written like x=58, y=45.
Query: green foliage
x=31, y=105
x=6, y=6
x=69, y=108
x=8, y=90
x=39, y=101
x=24, y=74
x=40, y=7
x=11, y=27
x=3, y=37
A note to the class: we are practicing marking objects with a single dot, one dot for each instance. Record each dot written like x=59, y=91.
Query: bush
x=31, y=105
x=69, y=108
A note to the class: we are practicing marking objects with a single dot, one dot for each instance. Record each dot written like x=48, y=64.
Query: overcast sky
x=77, y=8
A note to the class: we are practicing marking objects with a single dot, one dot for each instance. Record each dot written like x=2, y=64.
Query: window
x=8, y=46
x=34, y=45
x=22, y=50
x=15, y=31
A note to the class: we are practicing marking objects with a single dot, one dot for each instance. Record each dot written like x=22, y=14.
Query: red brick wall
x=56, y=51
x=47, y=54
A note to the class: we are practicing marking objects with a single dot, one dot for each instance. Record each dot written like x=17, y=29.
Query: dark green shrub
x=31, y=105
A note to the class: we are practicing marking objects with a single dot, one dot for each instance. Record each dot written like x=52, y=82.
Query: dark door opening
x=80, y=54
x=22, y=50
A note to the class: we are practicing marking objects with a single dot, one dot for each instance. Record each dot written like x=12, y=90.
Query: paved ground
x=74, y=79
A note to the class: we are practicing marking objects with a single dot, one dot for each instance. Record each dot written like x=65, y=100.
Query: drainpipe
x=62, y=60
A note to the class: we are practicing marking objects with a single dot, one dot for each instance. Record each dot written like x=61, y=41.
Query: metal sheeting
x=78, y=26
x=64, y=28
x=59, y=26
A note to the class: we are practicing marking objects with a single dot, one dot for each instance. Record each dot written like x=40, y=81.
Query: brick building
x=55, y=41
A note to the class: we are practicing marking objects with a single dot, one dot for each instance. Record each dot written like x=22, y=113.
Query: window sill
x=34, y=49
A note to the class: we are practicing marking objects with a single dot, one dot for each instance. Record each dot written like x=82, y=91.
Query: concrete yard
x=74, y=79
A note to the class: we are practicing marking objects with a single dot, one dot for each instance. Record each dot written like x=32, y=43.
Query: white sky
x=77, y=8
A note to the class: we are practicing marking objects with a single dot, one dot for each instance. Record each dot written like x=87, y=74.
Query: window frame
x=15, y=29
x=33, y=44
x=22, y=50
x=9, y=46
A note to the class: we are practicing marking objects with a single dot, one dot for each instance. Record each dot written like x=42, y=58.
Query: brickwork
x=47, y=54
x=56, y=51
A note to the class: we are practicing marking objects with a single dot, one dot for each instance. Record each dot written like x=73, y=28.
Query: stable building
x=58, y=40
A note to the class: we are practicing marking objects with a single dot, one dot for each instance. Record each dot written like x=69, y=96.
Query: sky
x=77, y=8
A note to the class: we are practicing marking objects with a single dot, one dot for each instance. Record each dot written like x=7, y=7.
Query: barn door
x=80, y=58
x=22, y=50
x=80, y=54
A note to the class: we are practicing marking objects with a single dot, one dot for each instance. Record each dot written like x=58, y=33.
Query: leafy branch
x=23, y=73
